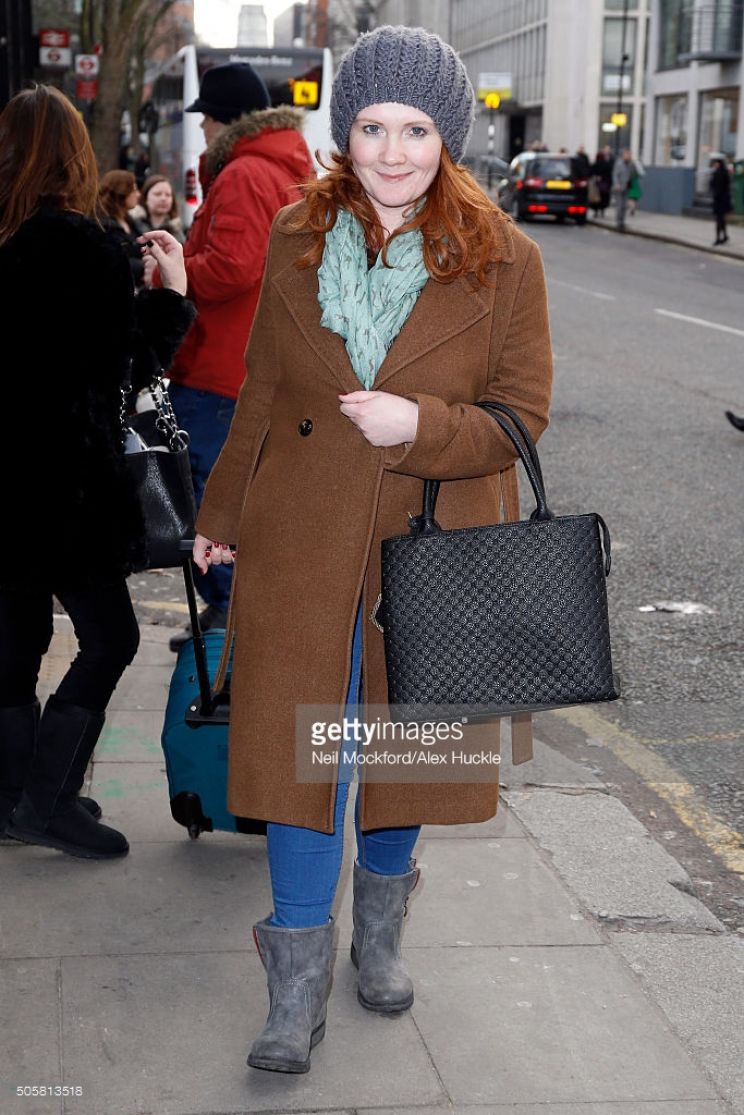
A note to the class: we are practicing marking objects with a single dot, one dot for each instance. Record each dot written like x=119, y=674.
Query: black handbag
x=497, y=620
x=157, y=457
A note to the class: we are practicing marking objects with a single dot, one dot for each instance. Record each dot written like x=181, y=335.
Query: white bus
x=299, y=76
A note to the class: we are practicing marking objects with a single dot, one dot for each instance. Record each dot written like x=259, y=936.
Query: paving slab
x=486, y=892
x=611, y=861
x=547, y=768
x=503, y=826
x=134, y=798
x=131, y=736
x=29, y=1024
x=618, y=1107
x=169, y=1035
x=545, y=1026
x=176, y=897
x=143, y=686
x=699, y=984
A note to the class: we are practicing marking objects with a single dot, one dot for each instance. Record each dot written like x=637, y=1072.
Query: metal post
x=491, y=134
x=623, y=59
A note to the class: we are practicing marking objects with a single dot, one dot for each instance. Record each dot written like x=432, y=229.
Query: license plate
x=554, y=184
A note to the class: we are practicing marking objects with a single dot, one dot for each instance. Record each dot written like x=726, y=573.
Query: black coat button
x=305, y=427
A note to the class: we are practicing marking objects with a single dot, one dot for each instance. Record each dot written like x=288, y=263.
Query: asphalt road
x=638, y=433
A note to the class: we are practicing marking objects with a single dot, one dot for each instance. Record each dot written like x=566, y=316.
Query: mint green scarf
x=368, y=307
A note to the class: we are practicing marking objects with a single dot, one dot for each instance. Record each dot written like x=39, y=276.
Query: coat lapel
x=442, y=311
x=298, y=287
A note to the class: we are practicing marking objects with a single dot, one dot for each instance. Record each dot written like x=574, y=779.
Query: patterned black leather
x=510, y=617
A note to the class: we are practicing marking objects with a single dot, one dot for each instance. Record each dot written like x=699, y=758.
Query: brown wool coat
x=308, y=513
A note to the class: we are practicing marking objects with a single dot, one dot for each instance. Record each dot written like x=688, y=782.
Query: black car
x=543, y=184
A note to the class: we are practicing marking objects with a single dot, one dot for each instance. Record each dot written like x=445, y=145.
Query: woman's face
x=159, y=199
x=132, y=198
x=395, y=152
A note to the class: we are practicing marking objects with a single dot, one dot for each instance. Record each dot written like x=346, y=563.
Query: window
x=671, y=130
x=674, y=33
x=612, y=53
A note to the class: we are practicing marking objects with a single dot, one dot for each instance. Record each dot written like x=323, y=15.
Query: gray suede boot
x=298, y=972
x=380, y=904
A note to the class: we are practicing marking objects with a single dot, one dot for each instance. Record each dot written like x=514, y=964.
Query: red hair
x=456, y=219
x=46, y=158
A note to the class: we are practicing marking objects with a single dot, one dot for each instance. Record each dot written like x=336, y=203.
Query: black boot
x=735, y=420
x=49, y=812
x=18, y=730
x=18, y=727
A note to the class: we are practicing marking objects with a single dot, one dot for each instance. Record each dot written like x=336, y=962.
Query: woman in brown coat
x=396, y=295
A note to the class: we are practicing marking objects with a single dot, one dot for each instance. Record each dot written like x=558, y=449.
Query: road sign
x=619, y=119
x=56, y=57
x=86, y=90
x=493, y=100
x=87, y=65
x=489, y=83
x=54, y=36
x=305, y=92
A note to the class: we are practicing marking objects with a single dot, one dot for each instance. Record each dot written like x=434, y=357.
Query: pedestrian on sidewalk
x=73, y=526
x=582, y=162
x=720, y=188
x=254, y=160
x=157, y=208
x=635, y=189
x=623, y=173
x=397, y=294
x=117, y=195
x=598, y=192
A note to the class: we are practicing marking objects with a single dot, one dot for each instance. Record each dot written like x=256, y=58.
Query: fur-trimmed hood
x=230, y=144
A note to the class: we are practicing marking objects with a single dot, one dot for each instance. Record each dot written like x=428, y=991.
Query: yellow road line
x=665, y=781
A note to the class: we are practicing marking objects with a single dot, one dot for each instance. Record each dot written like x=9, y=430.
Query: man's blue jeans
x=206, y=418
x=305, y=865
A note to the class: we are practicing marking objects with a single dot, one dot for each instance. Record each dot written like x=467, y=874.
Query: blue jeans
x=304, y=865
x=206, y=418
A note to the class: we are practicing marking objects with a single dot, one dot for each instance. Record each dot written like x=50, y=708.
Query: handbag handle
x=514, y=428
x=519, y=436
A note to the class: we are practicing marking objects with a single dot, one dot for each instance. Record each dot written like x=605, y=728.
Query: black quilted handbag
x=157, y=457
x=497, y=620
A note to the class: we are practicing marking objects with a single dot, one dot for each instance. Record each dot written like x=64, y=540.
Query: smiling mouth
x=394, y=177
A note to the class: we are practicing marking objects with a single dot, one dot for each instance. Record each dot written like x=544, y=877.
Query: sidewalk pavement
x=560, y=963
x=689, y=232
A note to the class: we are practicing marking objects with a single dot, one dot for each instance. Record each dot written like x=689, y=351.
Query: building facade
x=695, y=76
x=289, y=26
x=434, y=15
x=252, y=29
x=573, y=64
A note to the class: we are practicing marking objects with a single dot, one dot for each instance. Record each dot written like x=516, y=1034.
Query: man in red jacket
x=255, y=158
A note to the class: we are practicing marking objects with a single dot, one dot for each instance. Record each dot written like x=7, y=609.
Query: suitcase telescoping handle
x=200, y=647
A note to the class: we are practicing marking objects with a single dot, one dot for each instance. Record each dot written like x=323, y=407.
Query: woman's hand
x=207, y=552
x=168, y=254
x=384, y=419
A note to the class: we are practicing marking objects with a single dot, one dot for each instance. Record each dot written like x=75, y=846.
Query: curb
x=666, y=239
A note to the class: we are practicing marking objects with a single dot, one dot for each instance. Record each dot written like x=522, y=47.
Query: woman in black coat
x=602, y=172
x=720, y=188
x=72, y=523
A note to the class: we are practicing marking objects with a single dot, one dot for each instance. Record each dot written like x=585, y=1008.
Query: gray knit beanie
x=408, y=66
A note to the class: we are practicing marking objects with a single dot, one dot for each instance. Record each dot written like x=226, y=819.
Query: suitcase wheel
x=186, y=809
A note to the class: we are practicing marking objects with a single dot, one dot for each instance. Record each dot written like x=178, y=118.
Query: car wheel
x=581, y=220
